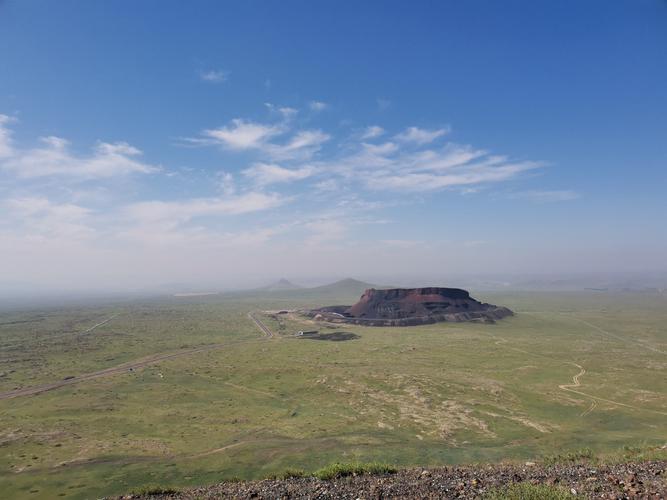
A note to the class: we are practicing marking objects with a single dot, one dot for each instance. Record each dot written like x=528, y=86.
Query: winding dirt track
x=132, y=365
x=576, y=384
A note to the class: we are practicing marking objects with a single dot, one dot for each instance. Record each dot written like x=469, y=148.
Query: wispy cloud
x=285, y=111
x=246, y=135
x=465, y=175
x=372, y=132
x=226, y=183
x=5, y=136
x=54, y=158
x=264, y=174
x=546, y=196
x=317, y=106
x=214, y=76
x=43, y=218
x=302, y=145
x=242, y=134
x=421, y=136
x=392, y=166
x=175, y=212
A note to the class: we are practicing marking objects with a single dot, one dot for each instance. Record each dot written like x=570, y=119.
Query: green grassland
x=256, y=406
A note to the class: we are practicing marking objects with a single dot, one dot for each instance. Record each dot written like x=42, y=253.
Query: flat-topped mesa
x=412, y=306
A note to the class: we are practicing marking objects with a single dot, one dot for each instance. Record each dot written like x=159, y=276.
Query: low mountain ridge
x=281, y=285
x=344, y=286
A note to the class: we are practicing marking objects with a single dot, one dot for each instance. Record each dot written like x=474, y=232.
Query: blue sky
x=226, y=143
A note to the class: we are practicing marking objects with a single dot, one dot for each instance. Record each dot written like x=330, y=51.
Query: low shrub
x=288, y=474
x=528, y=491
x=351, y=469
x=582, y=455
x=153, y=490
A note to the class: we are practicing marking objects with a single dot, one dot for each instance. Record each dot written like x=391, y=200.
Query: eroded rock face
x=412, y=306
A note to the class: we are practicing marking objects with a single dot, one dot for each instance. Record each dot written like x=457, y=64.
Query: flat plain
x=200, y=394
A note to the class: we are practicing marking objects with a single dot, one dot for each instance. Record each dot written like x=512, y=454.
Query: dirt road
x=100, y=324
x=265, y=329
x=132, y=365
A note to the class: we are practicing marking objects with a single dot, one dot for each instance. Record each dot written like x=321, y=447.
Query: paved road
x=132, y=365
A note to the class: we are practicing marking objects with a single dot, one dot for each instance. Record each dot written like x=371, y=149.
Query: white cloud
x=245, y=135
x=176, y=212
x=384, y=149
x=327, y=186
x=264, y=174
x=242, y=134
x=214, y=76
x=452, y=155
x=55, y=159
x=547, y=196
x=5, y=137
x=317, y=106
x=227, y=184
x=41, y=217
x=30, y=206
x=302, y=145
x=388, y=166
x=285, y=111
x=464, y=176
x=372, y=132
x=421, y=136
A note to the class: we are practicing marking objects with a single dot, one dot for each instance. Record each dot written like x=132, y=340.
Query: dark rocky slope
x=412, y=306
x=619, y=481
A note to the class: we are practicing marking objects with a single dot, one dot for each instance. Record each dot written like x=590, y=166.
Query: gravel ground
x=628, y=480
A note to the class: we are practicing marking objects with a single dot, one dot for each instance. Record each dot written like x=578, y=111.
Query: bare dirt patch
x=330, y=336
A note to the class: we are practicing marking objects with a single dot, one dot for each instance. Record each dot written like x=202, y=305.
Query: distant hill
x=341, y=292
x=280, y=286
x=346, y=287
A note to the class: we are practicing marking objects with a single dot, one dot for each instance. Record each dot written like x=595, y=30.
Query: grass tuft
x=582, y=455
x=352, y=469
x=153, y=490
x=642, y=453
x=288, y=474
x=528, y=491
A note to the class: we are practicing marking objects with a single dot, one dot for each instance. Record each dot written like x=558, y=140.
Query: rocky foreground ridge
x=619, y=481
x=412, y=306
